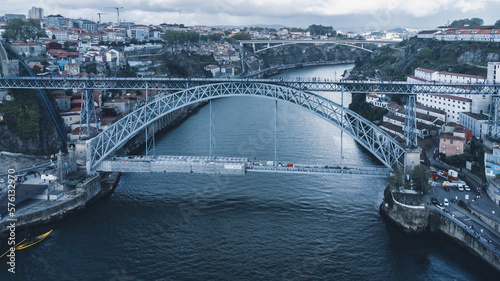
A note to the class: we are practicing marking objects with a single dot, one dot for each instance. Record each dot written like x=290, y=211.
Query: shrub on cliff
x=396, y=178
x=421, y=176
x=22, y=115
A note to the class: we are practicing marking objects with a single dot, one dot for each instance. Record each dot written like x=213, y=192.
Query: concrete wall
x=493, y=224
x=466, y=236
x=411, y=220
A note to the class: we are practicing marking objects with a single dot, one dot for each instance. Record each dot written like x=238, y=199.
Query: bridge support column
x=342, y=129
x=412, y=159
x=88, y=114
x=493, y=119
x=242, y=57
x=410, y=129
x=150, y=140
x=212, y=131
x=275, y=134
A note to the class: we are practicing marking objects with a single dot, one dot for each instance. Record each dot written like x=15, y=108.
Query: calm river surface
x=261, y=226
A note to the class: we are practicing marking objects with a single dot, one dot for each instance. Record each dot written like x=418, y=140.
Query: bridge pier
x=412, y=159
x=493, y=119
x=212, y=131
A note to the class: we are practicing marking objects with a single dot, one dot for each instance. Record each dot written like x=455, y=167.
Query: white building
x=494, y=72
x=377, y=100
x=138, y=32
x=477, y=123
x=452, y=105
x=215, y=69
x=35, y=13
x=70, y=118
x=59, y=35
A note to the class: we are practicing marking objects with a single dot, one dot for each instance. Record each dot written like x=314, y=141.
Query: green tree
x=239, y=36
x=322, y=30
x=425, y=53
x=420, y=177
x=22, y=114
x=497, y=24
x=396, y=178
x=466, y=21
x=19, y=29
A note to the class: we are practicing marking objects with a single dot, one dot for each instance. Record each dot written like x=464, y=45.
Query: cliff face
x=46, y=142
x=184, y=64
x=299, y=54
x=411, y=221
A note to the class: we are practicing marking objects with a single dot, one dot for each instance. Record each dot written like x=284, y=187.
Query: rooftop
x=449, y=136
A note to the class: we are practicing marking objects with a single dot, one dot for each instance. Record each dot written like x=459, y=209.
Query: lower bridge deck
x=225, y=165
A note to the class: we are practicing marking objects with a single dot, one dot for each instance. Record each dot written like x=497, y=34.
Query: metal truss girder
x=410, y=129
x=493, y=119
x=385, y=148
x=179, y=84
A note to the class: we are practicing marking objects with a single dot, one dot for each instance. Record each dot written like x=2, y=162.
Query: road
x=464, y=216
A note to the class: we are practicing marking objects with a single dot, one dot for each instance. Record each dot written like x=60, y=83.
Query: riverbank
x=424, y=218
x=62, y=200
x=37, y=212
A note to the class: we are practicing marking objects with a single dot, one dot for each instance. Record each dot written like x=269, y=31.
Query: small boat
x=32, y=241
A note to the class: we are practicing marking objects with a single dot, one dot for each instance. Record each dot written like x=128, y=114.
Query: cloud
x=245, y=11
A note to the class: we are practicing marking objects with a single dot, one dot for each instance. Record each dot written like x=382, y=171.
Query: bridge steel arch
x=305, y=42
x=374, y=139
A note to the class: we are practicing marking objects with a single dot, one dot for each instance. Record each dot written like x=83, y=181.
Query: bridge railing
x=311, y=84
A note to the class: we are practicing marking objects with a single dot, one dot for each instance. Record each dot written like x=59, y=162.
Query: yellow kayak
x=33, y=241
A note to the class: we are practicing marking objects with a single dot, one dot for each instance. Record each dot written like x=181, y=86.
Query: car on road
x=446, y=188
x=446, y=202
x=460, y=188
x=434, y=200
x=2, y=181
x=467, y=188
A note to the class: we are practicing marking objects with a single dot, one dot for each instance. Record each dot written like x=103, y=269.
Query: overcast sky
x=341, y=14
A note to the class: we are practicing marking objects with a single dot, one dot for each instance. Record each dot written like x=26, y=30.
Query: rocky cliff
x=410, y=220
x=398, y=61
x=45, y=142
x=299, y=54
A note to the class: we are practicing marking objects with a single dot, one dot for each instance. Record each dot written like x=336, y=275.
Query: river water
x=260, y=226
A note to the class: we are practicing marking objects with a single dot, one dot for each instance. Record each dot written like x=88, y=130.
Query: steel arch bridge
x=280, y=42
x=306, y=42
x=379, y=143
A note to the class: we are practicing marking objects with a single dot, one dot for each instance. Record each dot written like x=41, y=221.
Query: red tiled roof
x=20, y=43
x=463, y=75
x=483, y=31
x=453, y=98
x=449, y=136
x=428, y=32
x=417, y=78
x=426, y=70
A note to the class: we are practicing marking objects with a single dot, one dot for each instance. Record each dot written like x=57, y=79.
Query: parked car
x=434, y=200
x=446, y=202
x=467, y=188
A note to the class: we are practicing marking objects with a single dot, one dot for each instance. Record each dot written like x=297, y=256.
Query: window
x=451, y=141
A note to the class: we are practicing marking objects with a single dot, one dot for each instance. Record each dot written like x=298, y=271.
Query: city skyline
x=360, y=14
